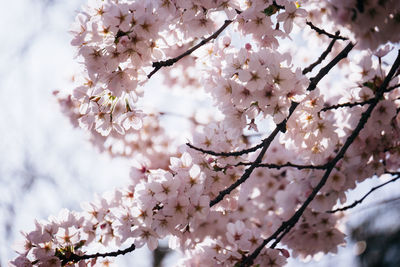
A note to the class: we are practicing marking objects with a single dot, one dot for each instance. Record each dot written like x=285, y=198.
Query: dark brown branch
x=228, y=154
x=355, y=203
x=321, y=74
x=343, y=54
x=249, y=170
x=72, y=257
x=285, y=165
x=349, y=105
x=353, y=104
x=286, y=226
x=322, y=57
x=323, y=32
x=391, y=88
x=159, y=255
x=360, y=5
x=169, y=62
x=383, y=202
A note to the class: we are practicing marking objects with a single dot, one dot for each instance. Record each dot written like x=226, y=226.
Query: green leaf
x=269, y=11
x=370, y=85
x=79, y=244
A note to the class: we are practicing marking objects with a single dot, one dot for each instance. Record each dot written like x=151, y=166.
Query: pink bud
x=124, y=40
x=248, y=46
x=284, y=252
x=226, y=41
x=143, y=169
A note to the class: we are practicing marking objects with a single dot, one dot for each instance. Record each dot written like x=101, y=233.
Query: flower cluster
x=246, y=85
x=118, y=41
x=371, y=22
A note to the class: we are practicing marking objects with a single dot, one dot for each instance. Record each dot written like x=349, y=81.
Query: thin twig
x=228, y=154
x=392, y=88
x=169, y=62
x=76, y=258
x=286, y=226
x=322, y=57
x=285, y=165
x=343, y=54
x=348, y=104
x=249, y=170
x=321, y=31
x=373, y=205
x=355, y=203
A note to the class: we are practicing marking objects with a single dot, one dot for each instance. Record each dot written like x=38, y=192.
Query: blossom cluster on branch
x=225, y=199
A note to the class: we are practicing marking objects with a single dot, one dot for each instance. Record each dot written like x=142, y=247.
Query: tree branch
x=286, y=226
x=355, y=203
x=323, y=32
x=285, y=165
x=72, y=257
x=265, y=144
x=169, y=62
x=227, y=154
x=353, y=104
x=348, y=104
x=383, y=202
x=343, y=54
x=392, y=88
x=322, y=57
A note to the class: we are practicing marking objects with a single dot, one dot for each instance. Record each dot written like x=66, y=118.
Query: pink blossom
x=289, y=15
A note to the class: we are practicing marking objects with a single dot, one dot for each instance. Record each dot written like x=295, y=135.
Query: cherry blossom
x=263, y=174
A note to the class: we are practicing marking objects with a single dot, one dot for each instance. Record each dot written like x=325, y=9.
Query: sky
x=46, y=164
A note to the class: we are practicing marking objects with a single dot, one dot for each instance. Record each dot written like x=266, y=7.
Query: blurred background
x=47, y=165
